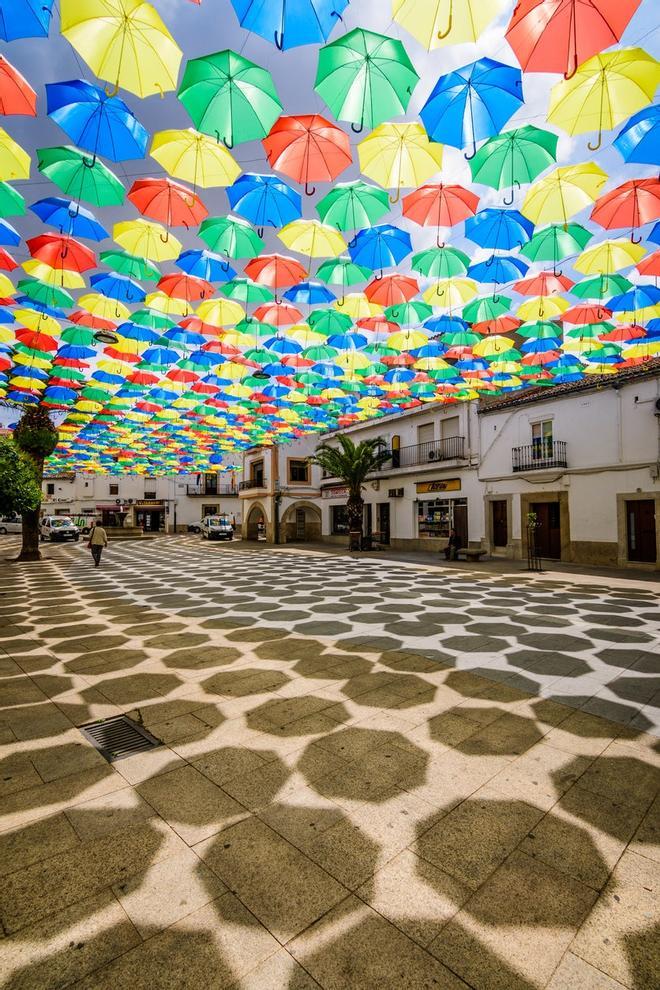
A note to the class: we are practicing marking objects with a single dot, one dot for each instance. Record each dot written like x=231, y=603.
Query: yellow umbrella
x=445, y=22
x=406, y=340
x=22, y=381
x=506, y=367
x=14, y=162
x=169, y=305
x=315, y=239
x=357, y=306
x=33, y=320
x=220, y=312
x=7, y=336
x=7, y=288
x=399, y=155
x=194, y=157
x=147, y=240
x=640, y=315
x=563, y=193
x=431, y=364
x=352, y=361
x=600, y=369
x=608, y=257
x=304, y=335
x=450, y=293
x=605, y=90
x=495, y=344
x=104, y=308
x=542, y=308
x=123, y=41
x=31, y=362
x=642, y=349
x=51, y=276
x=235, y=371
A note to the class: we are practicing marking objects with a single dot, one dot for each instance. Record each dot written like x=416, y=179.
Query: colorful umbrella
x=314, y=239
x=194, y=157
x=25, y=19
x=556, y=242
x=69, y=218
x=308, y=149
x=96, y=122
x=399, y=155
x=124, y=42
x=288, y=25
x=631, y=204
x=229, y=97
x=168, y=202
x=146, y=239
x=232, y=236
x=440, y=206
x=16, y=94
x=639, y=140
x=563, y=193
x=264, y=200
x=365, y=78
x=514, y=158
x=608, y=257
x=14, y=161
x=380, y=247
x=445, y=22
x=79, y=176
x=352, y=205
x=500, y=230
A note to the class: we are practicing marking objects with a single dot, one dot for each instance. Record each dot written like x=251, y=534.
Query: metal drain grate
x=118, y=737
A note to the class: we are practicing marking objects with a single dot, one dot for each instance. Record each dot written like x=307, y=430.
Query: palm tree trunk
x=355, y=513
x=30, y=546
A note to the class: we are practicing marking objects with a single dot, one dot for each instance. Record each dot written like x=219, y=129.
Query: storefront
x=150, y=515
x=438, y=511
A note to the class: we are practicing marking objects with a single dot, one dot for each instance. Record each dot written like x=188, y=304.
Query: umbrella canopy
x=124, y=42
x=445, y=22
x=79, y=176
x=229, y=97
x=500, y=230
x=95, y=121
x=352, y=205
x=308, y=149
x=380, y=247
x=232, y=236
x=312, y=238
x=14, y=161
x=168, y=202
x=307, y=22
x=563, y=193
x=69, y=217
x=264, y=200
x=25, y=19
x=365, y=78
x=440, y=205
x=16, y=94
x=639, y=139
x=399, y=155
x=631, y=204
x=514, y=158
x=194, y=157
x=146, y=239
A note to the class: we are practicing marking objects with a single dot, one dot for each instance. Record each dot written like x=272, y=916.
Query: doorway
x=383, y=521
x=149, y=520
x=548, y=529
x=300, y=524
x=368, y=519
x=461, y=523
x=500, y=521
x=640, y=523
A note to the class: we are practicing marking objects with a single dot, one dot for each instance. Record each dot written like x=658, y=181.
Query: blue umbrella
x=445, y=324
x=180, y=336
x=347, y=341
x=75, y=352
x=265, y=200
x=57, y=314
x=310, y=293
x=204, y=264
x=653, y=328
x=287, y=24
x=70, y=218
x=433, y=349
x=281, y=345
x=25, y=19
x=640, y=297
x=537, y=345
x=380, y=247
x=654, y=236
x=206, y=359
x=6, y=316
x=498, y=269
x=116, y=286
x=8, y=235
x=472, y=103
x=95, y=121
x=500, y=230
x=133, y=331
x=639, y=140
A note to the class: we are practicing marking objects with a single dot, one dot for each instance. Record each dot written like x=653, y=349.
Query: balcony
x=540, y=455
x=244, y=486
x=432, y=452
x=209, y=491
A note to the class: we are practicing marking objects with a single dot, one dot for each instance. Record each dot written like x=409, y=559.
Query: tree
x=19, y=491
x=351, y=463
x=36, y=438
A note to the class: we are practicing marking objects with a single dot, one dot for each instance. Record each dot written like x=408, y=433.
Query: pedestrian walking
x=98, y=539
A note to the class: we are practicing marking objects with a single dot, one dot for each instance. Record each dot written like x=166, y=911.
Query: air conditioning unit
x=395, y=493
x=432, y=455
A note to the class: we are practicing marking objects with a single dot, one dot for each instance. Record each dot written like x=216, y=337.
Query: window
x=150, y=495
x=338, y=520
x=50, y=488
x=299, y=472
x=436, y=517
x=395, y=447
x=542, y=440
x=114, y=489
x=210, y=484
x=449, y=427
x=257, y=474
x=425, y=433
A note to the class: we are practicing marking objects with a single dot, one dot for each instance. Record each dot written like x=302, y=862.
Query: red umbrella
x=392, y=290
x=438, y=205
x=584, y=313
x=378, y=324
x=142, y=378
x=186, y=287
x=276, y=271
x=16, y=94
x=168, y=202
x=7, y=263
x=85, y=319
x=629, y=205
x=198, y=326
x=559, y=35
x=62, y=251
x=279, y=314
x=308, y=148
x=499, y=325
x=650, y=265
x=630, y=331
x=38, y=341
x=543, y=284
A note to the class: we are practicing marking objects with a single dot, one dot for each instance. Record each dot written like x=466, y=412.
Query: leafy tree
x=36, y=437
x=19, y=489
x=351, y=463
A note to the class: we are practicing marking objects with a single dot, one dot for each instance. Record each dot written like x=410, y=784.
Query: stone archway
x=301, y=523
x=255, y=526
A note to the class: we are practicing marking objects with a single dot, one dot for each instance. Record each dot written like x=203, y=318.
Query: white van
x=10, y=524
x=57, y=529
x=217, y=528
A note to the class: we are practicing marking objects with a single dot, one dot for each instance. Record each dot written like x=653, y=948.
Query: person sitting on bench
x=451, y=550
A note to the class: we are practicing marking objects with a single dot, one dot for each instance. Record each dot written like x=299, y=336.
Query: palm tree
x=36, y=438
x=351, y=463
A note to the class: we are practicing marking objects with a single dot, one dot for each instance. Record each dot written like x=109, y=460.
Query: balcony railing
x=449, y=449
x=209, y=491
x=540, y=454
x=244, y=486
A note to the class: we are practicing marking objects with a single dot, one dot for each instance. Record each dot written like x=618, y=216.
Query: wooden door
x=300, y=524
x=500, y=523
x=548, y=529
x=384, y=521
x=640, y=520
x=461, y=525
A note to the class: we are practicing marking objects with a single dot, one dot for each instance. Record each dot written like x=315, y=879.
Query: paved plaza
x=374, y=775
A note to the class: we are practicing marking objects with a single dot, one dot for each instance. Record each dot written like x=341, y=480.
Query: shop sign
x=147, y=503
x=337, y=492
x=446, y=485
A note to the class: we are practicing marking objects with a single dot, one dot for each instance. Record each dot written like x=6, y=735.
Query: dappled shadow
x=295, y=716
x=245, y=681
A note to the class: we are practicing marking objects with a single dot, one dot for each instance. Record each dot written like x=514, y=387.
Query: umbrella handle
x=357, y=130
x=227, y=144
x=113, y=91
x=472, y=153
x=378, y=278
x=596, y=146
x=225, y=266
x=308, y=191
x=509, y=202
x=556, y=273
x=260, y=231
x=341, y=303
x=444, y=34
x=74, y=213
x=166, y=238
x=635, y=240
x=437, y=241
x=397, y=197
x=279, y=40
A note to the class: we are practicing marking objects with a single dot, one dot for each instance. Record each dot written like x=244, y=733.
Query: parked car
x=217, y=528
x=59, y=529
x=10, y=524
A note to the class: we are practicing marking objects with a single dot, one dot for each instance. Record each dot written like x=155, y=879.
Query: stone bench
x=466, y=553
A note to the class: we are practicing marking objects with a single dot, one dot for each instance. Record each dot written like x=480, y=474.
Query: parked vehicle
x=57, y=529
x=10, y=524
x=217, y=528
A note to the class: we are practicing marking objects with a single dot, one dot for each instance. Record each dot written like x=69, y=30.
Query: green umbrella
x=514, y=158
x=321, y=352
x=70, y=374
x=261, y=356
x=12, y=203
x=79, y=337
x=132, y=265
x=255, y=328
x=365, y=78
x=151, y=319
x=343, y=271
x=247, y=291
x=588, y=331
x=440, y=262
x=231, y=236
x=410, y=313
x=79, y=176
x=49, y=295
x=489, y=308
x=601, y=287
x=328, y=321
x=354, y=205
x=540, y=330
x=380, y=350
x=556, y=242
x=229, y=97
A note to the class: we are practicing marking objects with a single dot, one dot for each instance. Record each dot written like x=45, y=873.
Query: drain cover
x=118, y=737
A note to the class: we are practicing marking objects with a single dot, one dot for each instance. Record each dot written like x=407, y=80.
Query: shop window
x=150, y=495
x=338, y=520
x=114, y=489
x=436, y=517
x=299, y=472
